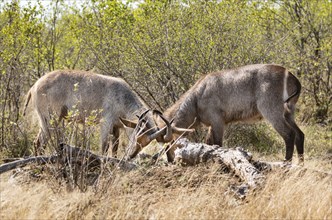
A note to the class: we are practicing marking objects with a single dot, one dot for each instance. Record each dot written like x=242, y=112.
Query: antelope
x=244, y=94
x=59, y=92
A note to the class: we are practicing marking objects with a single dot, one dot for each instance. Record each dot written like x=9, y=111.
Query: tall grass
x=171, y=191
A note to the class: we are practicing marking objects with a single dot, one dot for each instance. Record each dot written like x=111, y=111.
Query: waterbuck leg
x=276, y=117
x=299, y=136
x=40, y=143
x=287, y=133
x=115, y=142
x=299, y=142
x=215, y=134
x=105, y=130
x=37, y=143
x=170, y=151
x=289, y=139
x=209, y=137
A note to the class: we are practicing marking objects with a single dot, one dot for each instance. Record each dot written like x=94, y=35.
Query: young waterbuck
x=245, y=94
x=59, y=92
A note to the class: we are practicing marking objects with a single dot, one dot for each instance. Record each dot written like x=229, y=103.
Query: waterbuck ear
x=128, y=123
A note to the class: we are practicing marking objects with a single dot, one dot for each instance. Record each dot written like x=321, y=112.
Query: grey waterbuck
x=59, y=92
x=247, y=93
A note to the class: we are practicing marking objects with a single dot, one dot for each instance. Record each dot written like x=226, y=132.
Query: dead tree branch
x=70, y=154
x=23, y=162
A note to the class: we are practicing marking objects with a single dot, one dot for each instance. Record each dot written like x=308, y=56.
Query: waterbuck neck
x=183, y=111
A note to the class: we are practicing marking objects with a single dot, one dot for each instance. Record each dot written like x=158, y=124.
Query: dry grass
x=170, y=192
x=175, y=192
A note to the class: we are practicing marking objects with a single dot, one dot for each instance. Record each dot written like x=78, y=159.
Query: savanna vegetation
x=161, y=47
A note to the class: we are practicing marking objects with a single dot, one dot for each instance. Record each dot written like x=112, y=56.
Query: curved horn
x=128, y=123
x=156, y=112
x=158, y=133
x=165, y=131
x=177, y=130
x=168, y=136
x=143, y=114
x=133, y=124
x=144, y=139
x=169, y=131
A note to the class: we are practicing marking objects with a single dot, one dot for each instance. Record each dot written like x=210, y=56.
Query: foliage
x=162, y=47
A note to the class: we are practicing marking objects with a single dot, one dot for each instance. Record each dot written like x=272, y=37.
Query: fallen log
x=23, y=162
x=67, y=153
x=236, y=160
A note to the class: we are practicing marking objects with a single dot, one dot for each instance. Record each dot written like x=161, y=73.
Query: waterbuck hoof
x=301, y=159
x=287, y=161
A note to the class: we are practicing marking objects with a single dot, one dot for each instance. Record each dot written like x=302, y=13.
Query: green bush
x=162, y=47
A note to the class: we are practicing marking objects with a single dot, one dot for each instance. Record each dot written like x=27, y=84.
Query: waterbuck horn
x=144, y=139
x=128, y=123
x=143, y=115
x=133, y=124
x=171, y=129
x=156, y=112
x=180, y=131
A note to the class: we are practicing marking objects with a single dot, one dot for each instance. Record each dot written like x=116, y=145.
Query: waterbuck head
x=145, y=131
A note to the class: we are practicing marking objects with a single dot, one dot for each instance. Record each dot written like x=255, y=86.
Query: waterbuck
x=245, y=94
x=59, y=92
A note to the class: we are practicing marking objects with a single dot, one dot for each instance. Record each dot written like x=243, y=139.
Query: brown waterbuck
x=59, y=92
x=244, y=94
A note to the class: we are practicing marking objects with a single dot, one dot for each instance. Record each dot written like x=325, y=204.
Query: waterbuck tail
x=289, y=104
x=296, y=83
